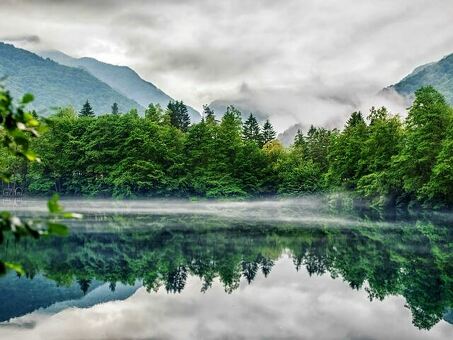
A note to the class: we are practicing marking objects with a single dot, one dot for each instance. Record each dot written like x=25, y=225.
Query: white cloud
x=303, y=61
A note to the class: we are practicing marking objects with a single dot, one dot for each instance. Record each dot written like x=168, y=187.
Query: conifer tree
x=251, y=130
x=299, y=140
x=115, y=110
x=87, y=110
x=268, y=132
x=208, y=114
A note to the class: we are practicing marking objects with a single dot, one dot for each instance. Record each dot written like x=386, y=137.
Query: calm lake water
x=291, y=269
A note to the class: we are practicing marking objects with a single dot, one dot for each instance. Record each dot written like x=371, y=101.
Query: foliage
x=380, y=158
x=426, y=128
x=344, y=156
x=17, y=126
x=179, y=116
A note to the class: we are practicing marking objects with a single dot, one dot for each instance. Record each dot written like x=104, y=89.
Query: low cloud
x=21, y=39
x=306, y=62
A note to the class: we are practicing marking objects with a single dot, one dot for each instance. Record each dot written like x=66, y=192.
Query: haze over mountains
x=57, y=80
x=123, y=79
x=438, y=74
x=55, y=85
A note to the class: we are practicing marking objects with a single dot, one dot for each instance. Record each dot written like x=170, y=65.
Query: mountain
x=121, y=78
x=287, y=136
x=55, y=85
x=21, y=295
x=438, y=74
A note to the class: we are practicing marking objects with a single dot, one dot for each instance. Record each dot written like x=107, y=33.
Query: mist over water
x=315, y=208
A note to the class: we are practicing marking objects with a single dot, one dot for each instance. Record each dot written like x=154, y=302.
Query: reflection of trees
x=84, y=285
x=414, y=261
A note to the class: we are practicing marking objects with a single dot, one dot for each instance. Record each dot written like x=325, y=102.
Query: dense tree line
x=379, y=157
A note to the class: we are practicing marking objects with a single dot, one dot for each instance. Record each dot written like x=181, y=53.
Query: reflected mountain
x=21, y=295
x=411, y=258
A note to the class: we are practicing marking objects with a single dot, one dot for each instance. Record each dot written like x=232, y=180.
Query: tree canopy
x=380, y=158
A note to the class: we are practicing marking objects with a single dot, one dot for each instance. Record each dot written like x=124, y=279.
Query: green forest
x=378, y=157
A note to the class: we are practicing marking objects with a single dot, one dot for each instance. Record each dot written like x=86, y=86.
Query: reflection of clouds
x=285, y=305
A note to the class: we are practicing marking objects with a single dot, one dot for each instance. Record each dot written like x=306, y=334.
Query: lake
x=283, y=269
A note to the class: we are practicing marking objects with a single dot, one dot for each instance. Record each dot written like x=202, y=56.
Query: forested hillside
x=377, y=157
x=121, y=78
x=438, y=74
x=55, y=85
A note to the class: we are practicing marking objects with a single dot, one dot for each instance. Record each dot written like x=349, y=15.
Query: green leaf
x=57, y=229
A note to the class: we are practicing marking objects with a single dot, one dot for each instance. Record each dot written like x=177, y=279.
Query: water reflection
x=408, y=260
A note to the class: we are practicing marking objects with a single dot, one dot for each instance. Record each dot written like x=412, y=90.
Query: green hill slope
x=55, y=85
x=438, y=74
x=121, y=78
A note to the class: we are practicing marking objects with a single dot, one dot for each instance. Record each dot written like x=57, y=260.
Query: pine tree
x=115, y=110
x=300, y=144
x=87, y=110
x=179, y=116
x=268, y=133
x=299, y=140
x=208, y=114
x=355, y=120
x=251, y=131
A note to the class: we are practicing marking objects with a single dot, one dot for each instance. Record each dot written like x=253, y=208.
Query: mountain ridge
x=55, y=85
x=438, y=74
x=123, y=79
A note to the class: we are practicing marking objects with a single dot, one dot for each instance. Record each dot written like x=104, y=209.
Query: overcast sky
x=306, y=61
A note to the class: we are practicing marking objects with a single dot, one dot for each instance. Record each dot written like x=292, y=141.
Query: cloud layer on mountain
x=302, y=61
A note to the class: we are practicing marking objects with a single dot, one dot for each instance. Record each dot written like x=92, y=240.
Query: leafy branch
x=17, y=127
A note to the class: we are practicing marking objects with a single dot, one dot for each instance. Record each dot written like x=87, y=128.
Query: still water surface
x=288, y=269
